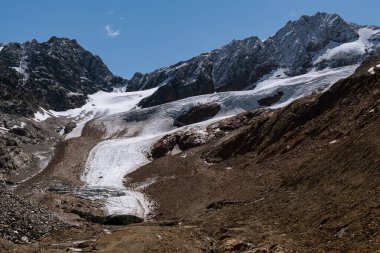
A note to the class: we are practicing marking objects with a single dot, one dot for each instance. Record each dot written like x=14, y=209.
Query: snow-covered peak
x=295, y=44
x=312, y=42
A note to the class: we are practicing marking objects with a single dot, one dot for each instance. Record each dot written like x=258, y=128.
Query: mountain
x=281, y=158
x=302, y=178
x=313, y=42
x=57, y=74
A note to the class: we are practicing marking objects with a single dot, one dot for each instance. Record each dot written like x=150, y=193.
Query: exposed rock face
x=14, y=136
x=191, y=138
x=296, y=44
x=233, y=67
x=12, y=157
x=295, y=49
x=12, y=101
x=184, y=140
x=69, y=127
x=57, y=74
x=188, y=79
x=268, y=101
x=197, y=114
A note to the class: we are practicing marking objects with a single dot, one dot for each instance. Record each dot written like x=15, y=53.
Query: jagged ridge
x=57, y=74
x=295, y=49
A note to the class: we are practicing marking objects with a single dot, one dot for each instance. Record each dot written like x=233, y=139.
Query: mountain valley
x=259, y=146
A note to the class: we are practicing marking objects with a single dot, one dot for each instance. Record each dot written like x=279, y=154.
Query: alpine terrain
x=258, y=146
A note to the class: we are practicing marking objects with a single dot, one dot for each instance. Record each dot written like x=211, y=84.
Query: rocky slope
x=57, y=74
x=23, y=222
x=319, y=41
x=302, y=178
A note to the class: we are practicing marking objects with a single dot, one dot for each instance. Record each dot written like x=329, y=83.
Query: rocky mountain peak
x=295, y=45
x=318, y=27
x=57, y=74
x=319, y=41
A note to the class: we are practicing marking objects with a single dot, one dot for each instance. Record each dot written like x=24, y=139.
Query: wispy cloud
x=109, y=12
x=111, y=32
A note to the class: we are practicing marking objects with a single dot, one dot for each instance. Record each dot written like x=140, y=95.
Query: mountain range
x=59, y=74
x=312, y=42
x=265, y=146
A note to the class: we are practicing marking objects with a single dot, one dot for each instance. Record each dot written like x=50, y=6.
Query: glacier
x=128, y=135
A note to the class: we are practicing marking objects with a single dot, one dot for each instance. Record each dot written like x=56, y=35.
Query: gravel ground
x=22, y=222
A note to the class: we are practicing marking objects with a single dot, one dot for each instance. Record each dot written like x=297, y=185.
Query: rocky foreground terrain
x=300, y=177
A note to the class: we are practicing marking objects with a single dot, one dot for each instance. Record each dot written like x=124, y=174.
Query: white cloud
x=109, y=12
x=111, y=32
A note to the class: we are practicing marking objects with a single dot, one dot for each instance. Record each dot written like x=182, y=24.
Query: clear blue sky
x=142, y=35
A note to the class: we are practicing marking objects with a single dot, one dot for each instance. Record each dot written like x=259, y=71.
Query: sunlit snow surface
x=99, y=104
x=109, y=162
x=345, y=50
x=129, y=131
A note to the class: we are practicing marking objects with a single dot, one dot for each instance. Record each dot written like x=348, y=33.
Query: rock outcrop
x=182, y=139
x=197, y=114
x=185, y=140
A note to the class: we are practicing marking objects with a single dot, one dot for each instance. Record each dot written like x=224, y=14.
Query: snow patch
x=42, y=115
x=176, y=150
x=365, y=34
x=182, y=65
x=3, y=130
x=372, y=70
x=312, y=78
x=22, y=125
x=358, y=47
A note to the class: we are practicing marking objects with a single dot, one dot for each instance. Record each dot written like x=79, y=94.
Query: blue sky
x=142, y=35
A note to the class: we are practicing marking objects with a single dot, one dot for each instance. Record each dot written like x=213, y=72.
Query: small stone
x=24, y=239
